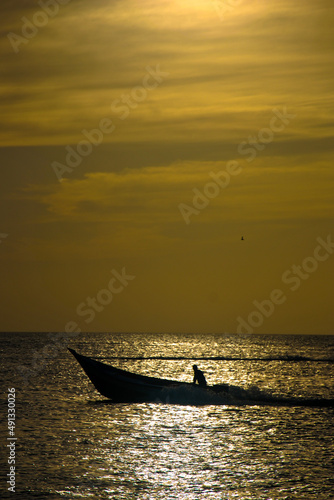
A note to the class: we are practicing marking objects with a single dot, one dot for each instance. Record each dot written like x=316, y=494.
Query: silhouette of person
x=199, y=377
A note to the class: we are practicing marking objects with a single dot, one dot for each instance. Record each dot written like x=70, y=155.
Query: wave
x=284, y=357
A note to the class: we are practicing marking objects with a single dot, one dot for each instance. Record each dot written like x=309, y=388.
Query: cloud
x=150, y=196
x=88, y=55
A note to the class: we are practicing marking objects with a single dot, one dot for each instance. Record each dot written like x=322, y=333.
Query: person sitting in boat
x=199, y=376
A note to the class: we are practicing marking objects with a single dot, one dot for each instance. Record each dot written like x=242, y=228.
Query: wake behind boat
x=123, y=386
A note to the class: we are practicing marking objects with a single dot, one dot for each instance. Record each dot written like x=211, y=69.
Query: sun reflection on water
x=85, y=447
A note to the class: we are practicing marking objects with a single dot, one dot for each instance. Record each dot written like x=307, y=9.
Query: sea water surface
x=73, y=444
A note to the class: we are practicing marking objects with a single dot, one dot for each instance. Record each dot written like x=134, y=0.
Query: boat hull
x=120, y=385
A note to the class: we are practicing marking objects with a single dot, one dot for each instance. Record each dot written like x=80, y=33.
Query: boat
x=122, y=386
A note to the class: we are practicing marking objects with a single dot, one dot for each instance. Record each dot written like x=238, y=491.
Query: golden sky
x=151, y=136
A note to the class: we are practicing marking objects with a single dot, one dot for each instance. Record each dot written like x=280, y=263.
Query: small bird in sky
x=242, y=238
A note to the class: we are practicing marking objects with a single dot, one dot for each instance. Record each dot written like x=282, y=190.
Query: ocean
x=66, y=441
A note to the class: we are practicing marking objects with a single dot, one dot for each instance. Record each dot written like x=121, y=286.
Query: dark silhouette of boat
x=123, y=386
